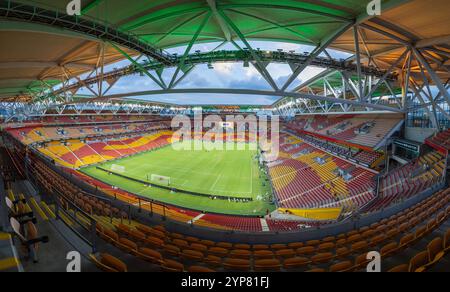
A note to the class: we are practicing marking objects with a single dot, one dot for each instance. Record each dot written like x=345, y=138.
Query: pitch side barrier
x=225, y=198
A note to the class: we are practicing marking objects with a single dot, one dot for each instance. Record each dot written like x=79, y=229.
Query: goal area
x=118, y=168
x=160, y=179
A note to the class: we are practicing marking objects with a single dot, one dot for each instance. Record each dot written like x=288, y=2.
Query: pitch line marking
x=215, y=183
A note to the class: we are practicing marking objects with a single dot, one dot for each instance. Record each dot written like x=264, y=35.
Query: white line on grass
x=215, y=183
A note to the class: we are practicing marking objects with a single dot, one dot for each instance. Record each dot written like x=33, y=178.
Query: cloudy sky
x=224, y=75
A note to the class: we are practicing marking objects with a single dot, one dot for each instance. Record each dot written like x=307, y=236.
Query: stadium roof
x=34, y=56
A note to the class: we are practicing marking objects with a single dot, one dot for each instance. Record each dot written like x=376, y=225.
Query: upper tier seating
x=364, y=157
x=31, y=135
x=441, y=139
x=365, y=130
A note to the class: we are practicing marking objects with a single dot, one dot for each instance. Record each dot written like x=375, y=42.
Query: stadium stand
x=410, y=179
x=441, y=139
x=364, y=130
x=344, y=252
x=309, y=178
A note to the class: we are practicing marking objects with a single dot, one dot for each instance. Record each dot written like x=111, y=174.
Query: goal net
x=118, y=168
x=160, y=179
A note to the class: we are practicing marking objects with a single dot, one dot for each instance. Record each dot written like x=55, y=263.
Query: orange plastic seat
x=192, y=255
x=176, y=236
x=242, y=246
x=358, y=246
x=329, y=239
x=180, y=243
x=213, y=261
x=278, y=246
x=322, y=258
x=447, y=241
x=312, y=243
x=325, y=247
x=406, y=240
x=236, y=264
x=145, y=229
x=207, y=243
x=199, y=269
x=305, y=250
x=137, y=235
x=199, y=247
x=263, y=254
x=346, y=266
x=377, y=240
x=361, y=262
x=225, y=245
x=418, y=262
x=172, y=266
x=295, y=263
x=316, y=270
x=192, y=239
x=342, y=252
x=389, y=249
x=154, y=242
x=240, y=254
x=399, y=269
x=150, y=255
x=218, y=251
x=260, y=247
x=285, y=253
x=267, y=265
x=296, y=245
x=127, y=245
x=109, y=263
x=172, y=249
x=109, y=236
x=435, y=251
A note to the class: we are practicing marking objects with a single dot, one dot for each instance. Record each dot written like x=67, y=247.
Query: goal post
x=160, y=179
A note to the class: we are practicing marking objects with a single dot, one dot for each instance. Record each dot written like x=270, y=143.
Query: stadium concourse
x=345, y=163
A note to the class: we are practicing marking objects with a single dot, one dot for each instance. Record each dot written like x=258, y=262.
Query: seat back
x=399, y=269
x=199, y=269
x=113, y=262
x=267, y=265
x=172, y=266
x=434, y=247
x=341, y=267
x=418, y=261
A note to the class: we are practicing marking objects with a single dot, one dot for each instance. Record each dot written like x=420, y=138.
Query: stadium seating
x=365, y=130
x=75, y=153
x=324, y=254
x=45, y=133
x=177, y=252
x=308, y=178
x=410, y=179
x=441, y=139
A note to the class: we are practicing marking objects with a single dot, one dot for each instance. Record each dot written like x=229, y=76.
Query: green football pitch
x=229, y=173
